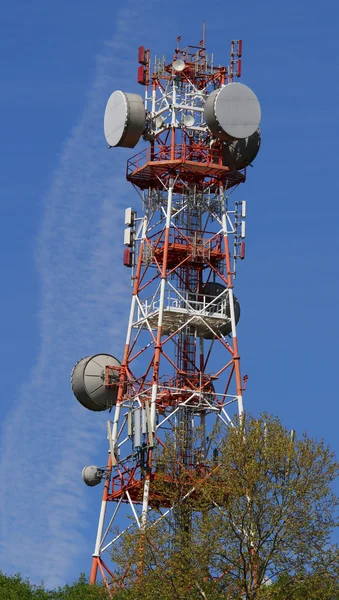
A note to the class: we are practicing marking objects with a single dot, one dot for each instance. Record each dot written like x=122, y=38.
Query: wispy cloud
x=48, y=437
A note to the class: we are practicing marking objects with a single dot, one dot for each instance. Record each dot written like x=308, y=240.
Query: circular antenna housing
x=159, y=121
x=232, y=112
x=241, y=153
x=124, y=120
x=188, y=120
x=92, y=475
x=88, y=382
x=179, y=65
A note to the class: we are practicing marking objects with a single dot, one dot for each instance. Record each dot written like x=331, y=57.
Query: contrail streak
x=48, y=437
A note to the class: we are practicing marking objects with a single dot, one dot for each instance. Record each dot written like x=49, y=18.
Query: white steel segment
x=234, y=335
x=232, y=313
x=152, y=226
x=115, y=429
x=117, y=537
x=111, y=521
x=110, y=442
x=240, y=405
x=169, y=510
x=130, y=320
x=161, y=303
x=126, y=439
x=189, y=107
x=132, y=309
x=226, y=415
x=227, y=423
x=133, y=508
x=172, y=413
x=100, y=528
x=123, y=424
x=232, y=227
x=174, y=100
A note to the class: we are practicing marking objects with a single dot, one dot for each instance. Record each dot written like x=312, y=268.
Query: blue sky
x=62, y=200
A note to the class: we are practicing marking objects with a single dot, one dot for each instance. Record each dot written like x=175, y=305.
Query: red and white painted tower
x=181, y=364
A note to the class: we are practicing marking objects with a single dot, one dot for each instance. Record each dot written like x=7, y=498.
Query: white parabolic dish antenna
x=188, y=120
x=179, y=65
x=232, y=112
x=159, y=121
x=124, y=120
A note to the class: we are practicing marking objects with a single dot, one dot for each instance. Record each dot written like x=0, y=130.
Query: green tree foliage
x=321, y=584
x=255, y=523
x=15, y=588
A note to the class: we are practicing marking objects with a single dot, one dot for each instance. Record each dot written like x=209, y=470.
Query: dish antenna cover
x=232, y=112
x=88, y=382
x=241, y=153
x=179, y=65
x=92, y=475
x=159, y=121
x=188, y=120
x=124, y=120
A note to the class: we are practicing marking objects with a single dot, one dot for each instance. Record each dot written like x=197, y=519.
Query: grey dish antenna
x=213, y=289
x=179, y=65
x=241, y=153
x=232, y=112
x=124, y=120
x=88, y=382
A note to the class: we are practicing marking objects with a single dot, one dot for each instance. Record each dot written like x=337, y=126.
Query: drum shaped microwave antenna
x=232, y=112
x=88, y=382
x=124, y=120
x=92, y=475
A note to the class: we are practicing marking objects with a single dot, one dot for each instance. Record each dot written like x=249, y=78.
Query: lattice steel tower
x=181, y=366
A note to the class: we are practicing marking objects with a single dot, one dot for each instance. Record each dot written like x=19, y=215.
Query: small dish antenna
x=92, y=475
x=188, y=120
x=159, y=121
x=179, y=65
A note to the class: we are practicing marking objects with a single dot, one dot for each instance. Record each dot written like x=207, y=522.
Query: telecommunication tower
x=180, y=368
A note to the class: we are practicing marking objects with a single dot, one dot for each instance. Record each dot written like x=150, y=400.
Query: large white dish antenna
x=232, y=112
x=124, y=120
x=88, y=382
x=179, y=65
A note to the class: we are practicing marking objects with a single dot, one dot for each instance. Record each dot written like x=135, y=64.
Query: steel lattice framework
x=181, y=362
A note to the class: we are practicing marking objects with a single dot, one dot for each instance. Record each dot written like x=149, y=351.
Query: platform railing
x=181, y=152
x=187, y=302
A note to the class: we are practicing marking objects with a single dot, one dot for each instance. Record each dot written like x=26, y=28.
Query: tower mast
x=180, y=369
